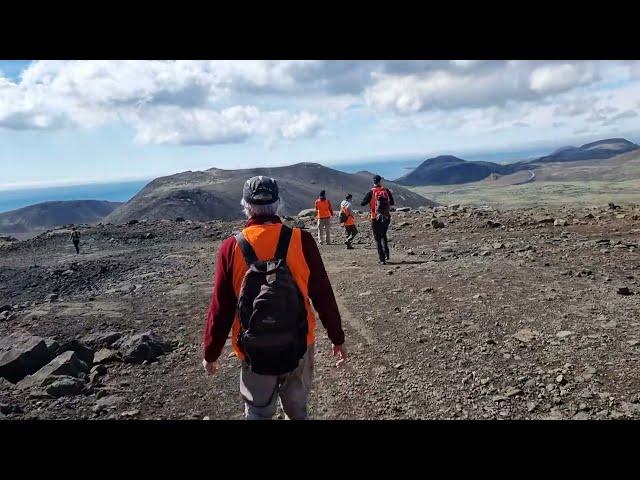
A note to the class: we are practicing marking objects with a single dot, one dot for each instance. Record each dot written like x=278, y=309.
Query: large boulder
x=101, y=339
x=83, y=352
x=66, y=364
x=21, y=355
x=140, y=347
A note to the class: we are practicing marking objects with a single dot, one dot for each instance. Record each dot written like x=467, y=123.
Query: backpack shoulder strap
x=247, y=250
x=283, y=243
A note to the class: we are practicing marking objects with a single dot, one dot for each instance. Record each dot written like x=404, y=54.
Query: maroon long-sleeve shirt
x=224, y=302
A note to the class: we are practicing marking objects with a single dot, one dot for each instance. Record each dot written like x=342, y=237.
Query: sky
x=75, y=122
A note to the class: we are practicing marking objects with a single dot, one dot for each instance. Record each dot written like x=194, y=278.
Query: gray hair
x=252, y=210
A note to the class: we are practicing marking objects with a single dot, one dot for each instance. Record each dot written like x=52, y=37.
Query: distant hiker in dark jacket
x=268, y=307
x=380, y=200
x=75, y=238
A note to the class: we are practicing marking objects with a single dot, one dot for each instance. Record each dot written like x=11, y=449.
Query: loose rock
x=65, y=386
x=141, y=347
x=21, y=355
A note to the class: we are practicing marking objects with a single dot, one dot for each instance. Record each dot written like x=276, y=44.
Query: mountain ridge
x=449, y=169
x=215, y=193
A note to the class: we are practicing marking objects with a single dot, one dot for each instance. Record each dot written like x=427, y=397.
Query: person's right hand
x=210, y=367
x=338, y=351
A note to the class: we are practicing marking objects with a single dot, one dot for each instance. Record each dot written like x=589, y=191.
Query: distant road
x=532, y=176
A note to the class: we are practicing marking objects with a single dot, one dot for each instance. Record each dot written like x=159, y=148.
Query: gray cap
x=260, y=190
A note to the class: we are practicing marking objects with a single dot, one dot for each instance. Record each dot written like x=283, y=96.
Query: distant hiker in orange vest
x=380, y=200
x=347, y=220
x=325, y=212
x=266, y=279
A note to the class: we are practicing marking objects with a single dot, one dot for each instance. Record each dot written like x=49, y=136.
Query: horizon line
x=41, y=184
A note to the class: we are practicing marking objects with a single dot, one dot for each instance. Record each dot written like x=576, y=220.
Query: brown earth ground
x=479, y=320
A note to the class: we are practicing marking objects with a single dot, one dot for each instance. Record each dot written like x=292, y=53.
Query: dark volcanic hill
x=447, y=169
x=215, y=193
x=602, y=149
x=53, y=214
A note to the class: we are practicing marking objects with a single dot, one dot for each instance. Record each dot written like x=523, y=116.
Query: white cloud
x=556, y=78
x=491, y=84
x=166, y=101
x=210, y=102
x=634, y=69
x=304, y=124
x=232, y=125
x=575, y=108
x=620, y=116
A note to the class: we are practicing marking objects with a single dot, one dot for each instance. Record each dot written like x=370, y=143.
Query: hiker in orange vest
x=267, y=278
x=324, y=213
x=347, y=220
x=380, y=200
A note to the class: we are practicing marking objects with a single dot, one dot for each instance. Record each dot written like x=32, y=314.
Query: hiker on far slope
x=75, y=238
x=324, y=213
x=266, y=278
x=347, y=220
x=380, y=200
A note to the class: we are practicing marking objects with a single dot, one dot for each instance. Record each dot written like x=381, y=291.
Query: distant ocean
x=390, y=169
x=114, y=192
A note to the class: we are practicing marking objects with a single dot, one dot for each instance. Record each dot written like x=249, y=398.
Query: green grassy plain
x=580, y=193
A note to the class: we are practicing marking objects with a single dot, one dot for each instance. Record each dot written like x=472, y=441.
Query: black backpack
x=272, y=311
x=342, y=217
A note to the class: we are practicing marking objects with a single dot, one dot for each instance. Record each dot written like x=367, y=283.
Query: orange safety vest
x=350, y=220
x=264, y=239
x=323, y=207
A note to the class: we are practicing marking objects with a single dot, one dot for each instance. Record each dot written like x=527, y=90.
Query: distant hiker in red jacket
x=324, y=212
x=267, y=278
x=380, y=200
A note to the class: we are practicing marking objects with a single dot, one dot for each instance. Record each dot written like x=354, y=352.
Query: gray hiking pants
x=261, y=392
x=324, y=225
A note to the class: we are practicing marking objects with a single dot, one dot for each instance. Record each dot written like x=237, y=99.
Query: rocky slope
x=528, y=314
